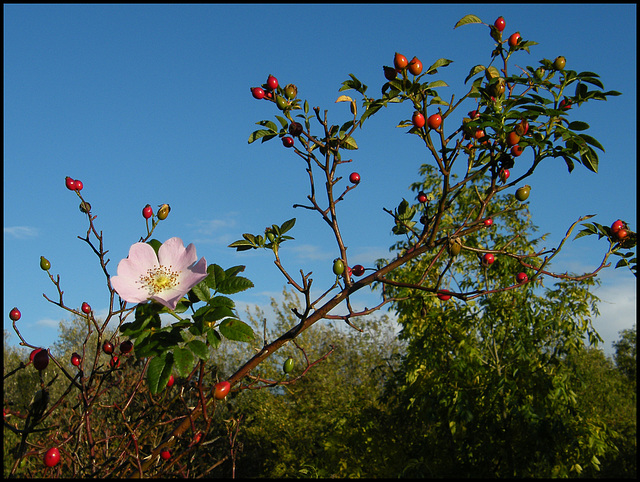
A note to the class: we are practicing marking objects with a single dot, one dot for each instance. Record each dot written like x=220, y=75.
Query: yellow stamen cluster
x=159, y=279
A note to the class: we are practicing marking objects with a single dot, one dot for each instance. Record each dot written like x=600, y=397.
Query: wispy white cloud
x=618, y=311
x=214, y=231
x=48, y=323
x=311, y=252
x=21, y=232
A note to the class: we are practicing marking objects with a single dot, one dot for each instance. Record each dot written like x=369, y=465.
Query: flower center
x=159, y=279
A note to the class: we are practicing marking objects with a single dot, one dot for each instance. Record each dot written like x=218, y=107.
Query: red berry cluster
x=73, y=184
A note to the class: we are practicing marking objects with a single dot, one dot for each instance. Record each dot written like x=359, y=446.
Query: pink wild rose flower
x=164, y=278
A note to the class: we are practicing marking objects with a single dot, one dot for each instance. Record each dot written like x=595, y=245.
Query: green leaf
x=466, y=20
x=590, y=140
x=214, y=338
x=258, y=134
x=242, y=245
x=287, y=225
x=199, y=348
x=269, y=125
x=236, y=330
x=438, y=63
x=590, y=160
x=216, y=276
x=183, y=360
x=349, y=143
x=578, y=126
x=217, y=313
x=371, y=109
x=283, y=122
x=234, y=270
x=437, y=83
x=201, y=290
x=474, y=71
x=159, y=372
x=234, y=285
x=146, y=317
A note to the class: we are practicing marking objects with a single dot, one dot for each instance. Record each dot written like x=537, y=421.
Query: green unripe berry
x=559, y=63
x=523, y=193
x=338, y=267
x=281, y=102
x=44, y=263
x=288, y=365
x=291, y=91
x=163, y=212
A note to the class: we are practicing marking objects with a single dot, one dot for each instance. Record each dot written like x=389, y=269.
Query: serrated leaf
x=220, y=301
x=236, y=330
x=217, y=313
x=215, y=275
x=234, y=270
x=466, y=20
x=214, y=338
x=201, y=290
x=183, y=361
x=234, y=285
x=199, y=349
x=159, y=371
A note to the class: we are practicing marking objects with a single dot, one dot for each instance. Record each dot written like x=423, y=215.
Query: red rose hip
x=434, y=121
x=354, y=178
x=258, y=93
x=41, y=360
x=272, y=82
x=52, y=457
x=221, y=390
x=147, y=211
x=15, y=314
x=488, y=259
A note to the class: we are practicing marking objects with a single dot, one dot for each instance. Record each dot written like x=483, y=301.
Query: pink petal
x=173, y=253
x=141, y=258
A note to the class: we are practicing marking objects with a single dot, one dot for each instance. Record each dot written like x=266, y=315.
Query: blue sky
x=151, y=104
